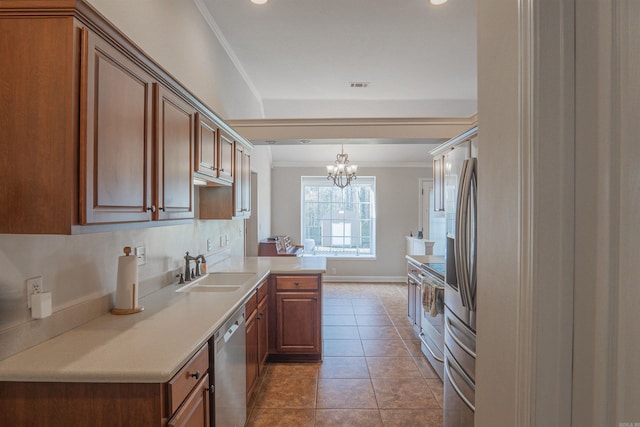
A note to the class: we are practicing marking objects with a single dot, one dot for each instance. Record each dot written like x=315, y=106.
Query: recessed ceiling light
x=434, y=2
x=359, y=84
x=259, y=1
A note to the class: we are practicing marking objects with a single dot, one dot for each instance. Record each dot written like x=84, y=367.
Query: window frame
x=322, y=181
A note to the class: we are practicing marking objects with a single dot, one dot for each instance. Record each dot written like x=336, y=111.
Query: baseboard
x=364, y=279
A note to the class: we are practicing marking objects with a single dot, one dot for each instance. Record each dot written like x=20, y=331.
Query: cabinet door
x=115, y=153
x=174, y=144
x=225, y=171
x=298, y=322
x=252, y=351
x=194, y=412
x=418, y=301
x=238, y=180
x=438, y=184
x=206, y=146
x=246, y=183
x=263, y=333
x=411, y=301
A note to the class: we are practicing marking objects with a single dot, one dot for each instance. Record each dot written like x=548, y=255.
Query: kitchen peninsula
x=118, y=367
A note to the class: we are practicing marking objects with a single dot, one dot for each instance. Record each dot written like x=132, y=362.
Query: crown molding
x=385, y=127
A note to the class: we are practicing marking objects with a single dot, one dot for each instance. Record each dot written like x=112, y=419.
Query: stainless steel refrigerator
x=460, y=205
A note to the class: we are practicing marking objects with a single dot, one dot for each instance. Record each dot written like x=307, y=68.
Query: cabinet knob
x=196, y=374
x=296, y=283
x=212, y=389
x=162, y=209
x=152, y=208
x=315, y=299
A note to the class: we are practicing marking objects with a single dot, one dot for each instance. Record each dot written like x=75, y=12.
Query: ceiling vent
x=359, y=84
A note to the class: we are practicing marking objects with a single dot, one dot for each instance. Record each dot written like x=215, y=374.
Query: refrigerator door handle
x=463, y=251
x=473, y=255
x=449, y=325
x=448, y=366
x=459, y=249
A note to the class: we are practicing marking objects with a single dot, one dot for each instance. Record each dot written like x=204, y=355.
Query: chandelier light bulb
x=259, y=1
x=342, y=172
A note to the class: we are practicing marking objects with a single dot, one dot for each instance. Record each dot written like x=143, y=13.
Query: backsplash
x=81, y=271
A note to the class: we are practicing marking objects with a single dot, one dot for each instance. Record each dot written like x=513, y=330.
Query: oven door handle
x=426, y=344
x=431, y=282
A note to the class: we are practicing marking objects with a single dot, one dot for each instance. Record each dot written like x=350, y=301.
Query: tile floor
x=373, y=372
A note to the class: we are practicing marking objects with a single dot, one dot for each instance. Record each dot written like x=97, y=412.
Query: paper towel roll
x=127, y=285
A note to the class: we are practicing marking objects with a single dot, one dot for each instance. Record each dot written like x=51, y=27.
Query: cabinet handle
x=196, y=374
x=296, y=283
x=152, y=208
x=162, y=209
x=315, y=299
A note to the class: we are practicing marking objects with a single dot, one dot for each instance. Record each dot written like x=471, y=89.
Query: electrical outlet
x=209, y=247
x=141, y=254
x=33, y=285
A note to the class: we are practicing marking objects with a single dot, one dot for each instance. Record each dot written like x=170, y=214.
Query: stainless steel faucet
x=188, y=276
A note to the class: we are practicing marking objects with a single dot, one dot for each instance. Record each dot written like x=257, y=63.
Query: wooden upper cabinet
x=226, y=169
x=84, y=144
x=206, y=153
x=116, y=144
x=38, y=125
x=173, y=152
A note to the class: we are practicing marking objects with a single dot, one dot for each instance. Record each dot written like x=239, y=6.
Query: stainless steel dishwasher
x=230, y=372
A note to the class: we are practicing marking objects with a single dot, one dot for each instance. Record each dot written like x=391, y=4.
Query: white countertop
x=421, y=259
x=151, y=346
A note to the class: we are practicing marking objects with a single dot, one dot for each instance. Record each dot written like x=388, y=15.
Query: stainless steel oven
x=432, y=317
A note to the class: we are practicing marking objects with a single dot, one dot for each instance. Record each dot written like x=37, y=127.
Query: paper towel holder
x=133, y=309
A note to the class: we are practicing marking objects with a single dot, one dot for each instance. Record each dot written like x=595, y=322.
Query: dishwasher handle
x=232, y=330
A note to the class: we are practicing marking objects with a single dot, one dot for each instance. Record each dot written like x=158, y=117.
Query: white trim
x=365, y=279
x=421, y=184
x=323, y=164
x=227, y=48
x=525, y=362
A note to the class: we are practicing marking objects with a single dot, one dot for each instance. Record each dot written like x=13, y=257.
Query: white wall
x=176, y=35
x=398, y=206
x=558, y=295
x=259, y=225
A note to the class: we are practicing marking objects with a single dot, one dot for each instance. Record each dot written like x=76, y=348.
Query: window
x=339, y=222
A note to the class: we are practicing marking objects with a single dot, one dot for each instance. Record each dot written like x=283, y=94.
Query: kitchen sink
x=217, y=282
x=208, y=288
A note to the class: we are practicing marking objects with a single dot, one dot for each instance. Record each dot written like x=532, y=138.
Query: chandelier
x=342, y=172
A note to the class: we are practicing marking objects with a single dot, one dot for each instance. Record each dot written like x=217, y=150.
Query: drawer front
x=263, y=289
x=251, y=304
x=296, y=283
x=186, y=379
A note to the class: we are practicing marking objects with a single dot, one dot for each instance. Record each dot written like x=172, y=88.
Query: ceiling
x=300, y=58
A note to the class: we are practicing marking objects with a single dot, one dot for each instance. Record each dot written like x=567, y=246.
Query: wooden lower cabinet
x=263, y=333
x=195, y=411
x=183, y=401
x=252, y=352
x=257, y=336
x=297, y=318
